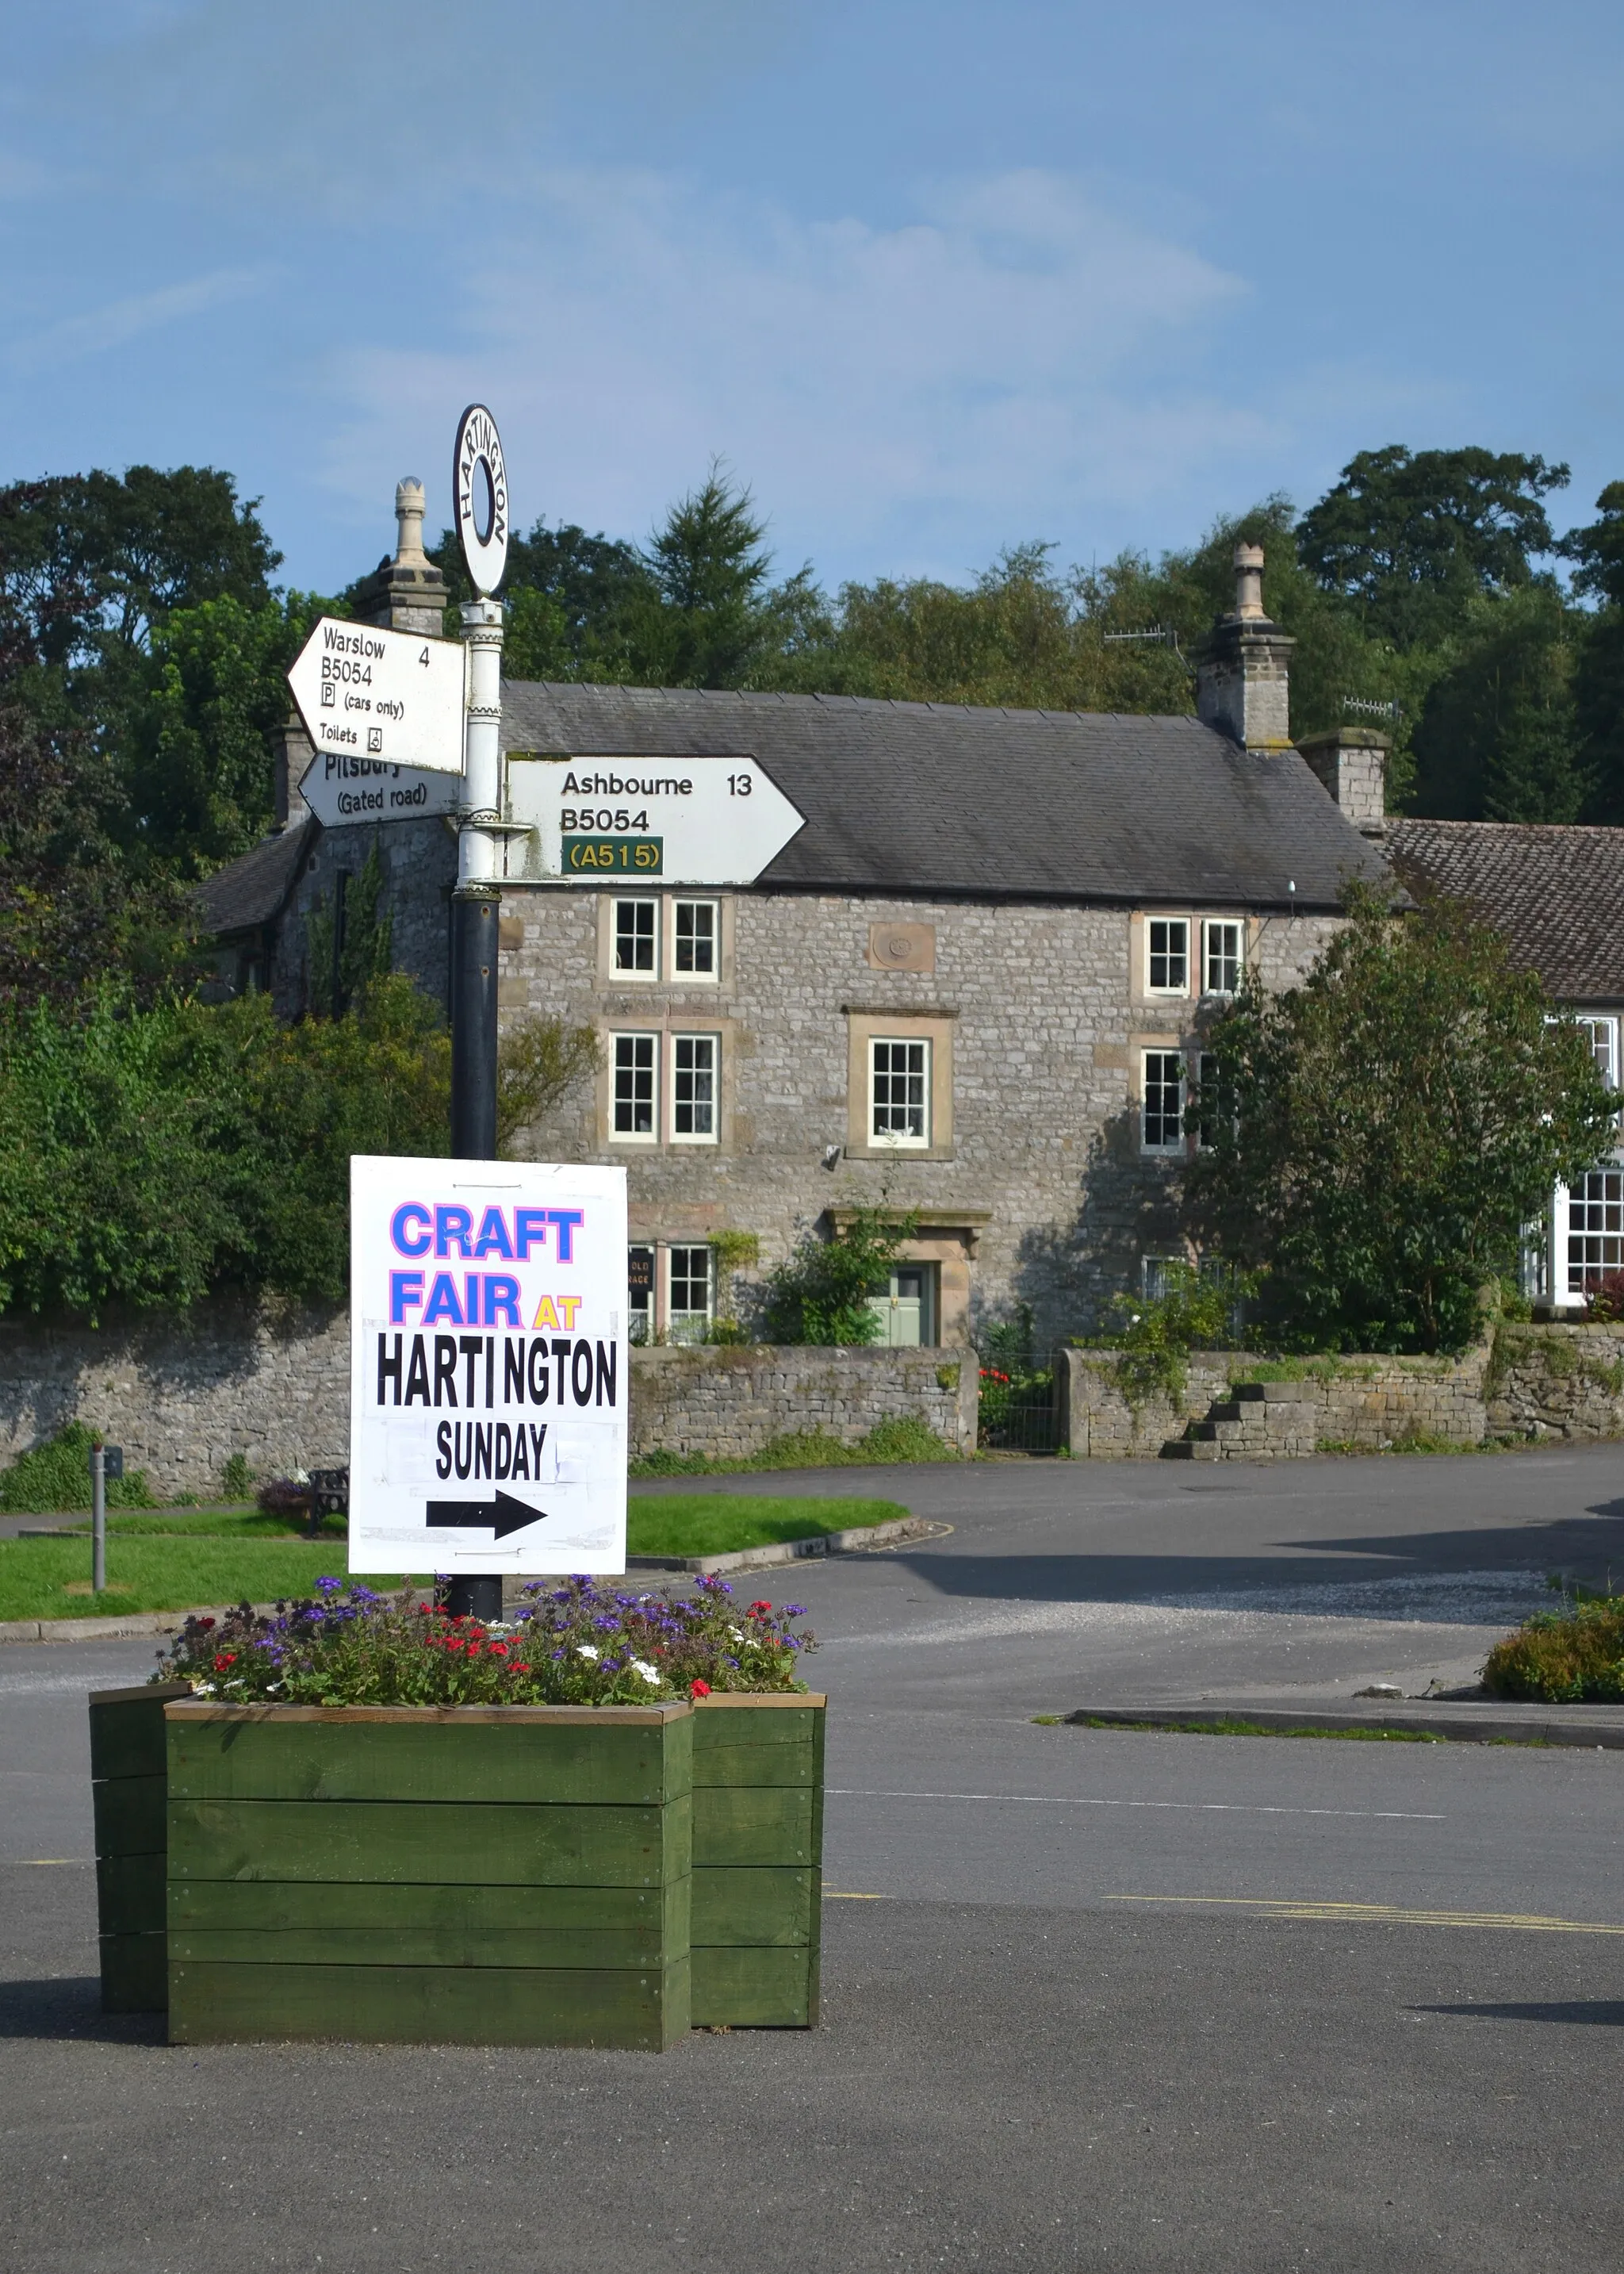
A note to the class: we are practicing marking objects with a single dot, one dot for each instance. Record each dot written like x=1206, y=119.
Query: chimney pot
x=1249, y=584
x=408, y=509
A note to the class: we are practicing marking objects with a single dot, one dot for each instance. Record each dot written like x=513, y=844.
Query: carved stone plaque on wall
x=902, y=946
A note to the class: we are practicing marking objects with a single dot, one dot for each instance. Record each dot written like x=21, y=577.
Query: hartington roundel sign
x=479, y=485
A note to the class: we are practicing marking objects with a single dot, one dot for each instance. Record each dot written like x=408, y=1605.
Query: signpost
x=488, y=1368
x=366, y=693
x=670, y=821
x=341, y=791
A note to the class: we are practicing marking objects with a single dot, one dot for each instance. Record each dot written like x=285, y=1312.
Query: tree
x=1599, y=676
x=196, y=749
x=1408, y=539
x=1497, y=739
x=71, y=908
x=1375, y=1140
x=710, y=617
x=537, y=1062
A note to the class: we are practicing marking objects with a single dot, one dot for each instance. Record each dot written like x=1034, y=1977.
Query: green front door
x=904, y=1311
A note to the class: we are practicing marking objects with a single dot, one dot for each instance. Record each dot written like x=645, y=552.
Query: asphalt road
x=1093, y=1998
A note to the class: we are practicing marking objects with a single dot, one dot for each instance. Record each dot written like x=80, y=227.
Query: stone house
x=968, y=987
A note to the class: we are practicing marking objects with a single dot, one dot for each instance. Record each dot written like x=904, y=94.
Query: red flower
x=424, y=1612
x=521, y=1666
x=452, y=1643
x=222, y=1658
x=699, y=1690
x=761, y=1607
x=499, y=1650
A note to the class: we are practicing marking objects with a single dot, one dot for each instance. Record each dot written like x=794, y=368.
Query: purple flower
x=330, y=1587
x=795, y=1610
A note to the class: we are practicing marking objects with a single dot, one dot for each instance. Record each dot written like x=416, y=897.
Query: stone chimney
x=1242, y=680
x=407, y=594
x=1352, y=763
x=292, y=750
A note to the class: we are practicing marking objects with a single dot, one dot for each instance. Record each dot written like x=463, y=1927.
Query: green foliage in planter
x=57, y=1475
x=1570, y=1657
x=574, y=1645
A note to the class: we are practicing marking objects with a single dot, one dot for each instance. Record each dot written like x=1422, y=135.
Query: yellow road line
x=1378, y=1913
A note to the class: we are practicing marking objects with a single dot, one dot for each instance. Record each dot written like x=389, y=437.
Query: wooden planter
x=500, y=1875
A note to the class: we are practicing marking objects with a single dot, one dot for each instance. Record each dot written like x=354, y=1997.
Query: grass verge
x=147, y=1574
x=181, y=1558
x=719, y=1523
x=1227, y=1727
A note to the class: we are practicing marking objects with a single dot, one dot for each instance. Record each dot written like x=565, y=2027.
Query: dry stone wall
x=275, y=1386
x=1528, y=1381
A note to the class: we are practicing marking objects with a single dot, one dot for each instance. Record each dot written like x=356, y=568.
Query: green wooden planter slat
x=130, y=1894
x=385, y=1907
x=129, y=1814
x=479, y=1842
x=733, y=1766
x=135, y=1973
x=336, y=1945
x=126, y=1729
x=725, y=1724
x=428, y=1761
x=760, y=1906
x=427, y=2005
x=768, y=1823
x=747, y=1988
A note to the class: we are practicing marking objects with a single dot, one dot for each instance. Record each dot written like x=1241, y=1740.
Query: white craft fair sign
x=488, y=1367
x=651, y=821
x=366, y=693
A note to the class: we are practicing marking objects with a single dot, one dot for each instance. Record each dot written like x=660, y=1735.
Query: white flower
x=648, y=1672
x=737, y=1633
x=202, y=1689
x=585, y=1650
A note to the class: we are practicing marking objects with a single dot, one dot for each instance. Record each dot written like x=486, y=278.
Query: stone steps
x=1257, y=1421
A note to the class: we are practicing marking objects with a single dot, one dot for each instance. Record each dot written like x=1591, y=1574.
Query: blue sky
x=933, y=278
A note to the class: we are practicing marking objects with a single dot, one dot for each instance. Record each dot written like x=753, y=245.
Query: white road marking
x=1213, y=1807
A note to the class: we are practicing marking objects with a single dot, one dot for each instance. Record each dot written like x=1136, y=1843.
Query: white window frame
x=712, y=1135
x=1153, y=1275
x=895, y=1140
x=1166, y=1146
x=1593, y=1217
x=679, y=1325
x=1168, y=926
x=618, y=974
x=1222, y=924
x=1601, y=1027
x=651, y=1135
x=680, y=977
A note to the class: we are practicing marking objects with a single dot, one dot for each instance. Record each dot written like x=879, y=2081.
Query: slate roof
x=252, y=890
x=946, y=800
x=1556, y=894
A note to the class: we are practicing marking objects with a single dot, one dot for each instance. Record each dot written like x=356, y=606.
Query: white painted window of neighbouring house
x=1167, y=952
x=635, y=1080
x=900, y=1092
x=694, y=1064
x=636, y=939
x=1594, y=1229
x=692, y=1289
x=1162, y=1109
x=1158, y=1275
x=694, y=943
x=1221, y=958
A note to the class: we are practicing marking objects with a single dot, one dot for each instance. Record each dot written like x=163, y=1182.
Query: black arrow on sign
x=502, y=1515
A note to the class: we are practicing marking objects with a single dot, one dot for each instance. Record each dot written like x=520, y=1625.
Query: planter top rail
x=178, y=1707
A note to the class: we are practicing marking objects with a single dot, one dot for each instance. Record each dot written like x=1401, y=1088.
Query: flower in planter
x=699, y=1690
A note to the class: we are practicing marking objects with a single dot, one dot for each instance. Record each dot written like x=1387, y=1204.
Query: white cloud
x=998, y=365
x=117, y=321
